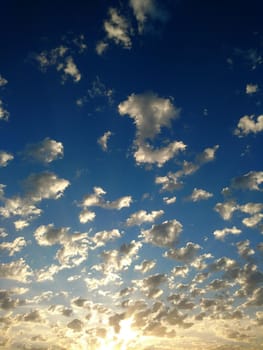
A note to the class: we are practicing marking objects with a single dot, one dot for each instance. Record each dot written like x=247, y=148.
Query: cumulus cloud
x=4, y=114
x=250, y=181
x=169, y=200
x=221, y=234
x=103, y=140
x=145, y=266
x=3, y=81
x=150, y=285
x=173, y=181
x=165, y=234
x=199, y=194
x=86, y=216
x=5, y=158
x=45, y=151
x=244, y=249
x=74, y=247
x=17, y=270
x=117, y=29
x=150, y=114
x=251, y=89
x=249, y=124
x=184, y=254
x=13, y=247
x=142, y=216
x=226, y=209
x=96, y=199
x=146, y=11
x=102, y=237
x=101, y=47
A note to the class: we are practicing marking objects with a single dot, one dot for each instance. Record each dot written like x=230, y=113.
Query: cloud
x=4, y=114
x=226, y=209
x=249, y=124
x=86, y=216
x=45, y=151
x=17, y=270
x=44, y=185
x=145, y=266
x=142, y=216
x=102, y=237
x=221, y=234
x=118, y=29
x=170, y=200
x=5, y=158
x=3, y=81
x=145, y=11
x=101, y=47
x=96, y=200
x=253, y=220
x=76, y=325
x=165, y=234
x=70, y=69
x=249, y=181
x=244, y=249
x=13, y=247
x=74, y=247
x=251, y=89
x=150, y=114
x=103, y=140
x=184, y=254
x=199, y=194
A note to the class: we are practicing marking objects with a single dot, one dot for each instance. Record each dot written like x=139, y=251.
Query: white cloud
x=20, y=224
x=249, y=124
x=17, y=270
x=103, y=140
x=102, y=237
x=251, y=208
x=5, y=158
x=13, y=247
x=150, y=114
x=45, y=151
x=45, y=185
x=142, y=216
x=184, y=254
x=96, y=200
x=249, y=181
x=3, y=81
x=199, y=194
x=221, y=234
x=145, y=266
x=101, y=47
x=253, y=220
x=86, y=216
x=251, y=89
x=170, y=200
x=118, y=29
x=244, y=249
x=4, y=114
x=70, y=69
x=226, y=209
x=165, y=234
x=147, y=10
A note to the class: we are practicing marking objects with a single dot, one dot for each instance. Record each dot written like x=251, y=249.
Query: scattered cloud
x=249, y=124
x=199, y=194
x=103, y=140
x=4, y=114
x=17, y=270
x=169, y=200
x=45, y=151
x=142, y=216
x=251, y=89
x=250, y=181
x=185, y=254
x=5, y=158
x=221, y=234
x=3, y=81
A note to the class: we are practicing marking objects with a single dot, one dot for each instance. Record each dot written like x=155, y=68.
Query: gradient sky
x=131, y=175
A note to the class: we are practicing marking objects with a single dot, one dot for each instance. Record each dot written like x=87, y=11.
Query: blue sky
x=131, y=175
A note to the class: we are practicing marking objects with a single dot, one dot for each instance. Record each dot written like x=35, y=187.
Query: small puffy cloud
x=4, y=114
x=250, y=181
x=184, y=254
x=149, y=285
x=17, y=206
x=244, y=249
x=180, y=271
x=5, y=158
x=3, y=81
x=256, y=298
x=251, y=208
x=150, y=114
x=251, y=89
x=199, y=194
x=145, y=11
x=69, y=69
x=249, y=124
x=103, y=140
x=221, y=234
x=96, y=200
x=74, y=247
x=118, y=29
x=45, y=151
x=86, y=216
x=20, y=224
x=102, y=237
x=17, y=270
x=142, y=216
x=45, y=185
x=165, y=234
x=13, y=247
x=145, y=266
x=253, y=220
x=47, y=273
x=101, y=47
x=226, y=209
x=169, y=200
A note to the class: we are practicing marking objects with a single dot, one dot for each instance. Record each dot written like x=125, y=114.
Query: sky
x=131, y=175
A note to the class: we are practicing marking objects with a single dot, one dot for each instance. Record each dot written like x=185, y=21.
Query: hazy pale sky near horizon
x=131, y=175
